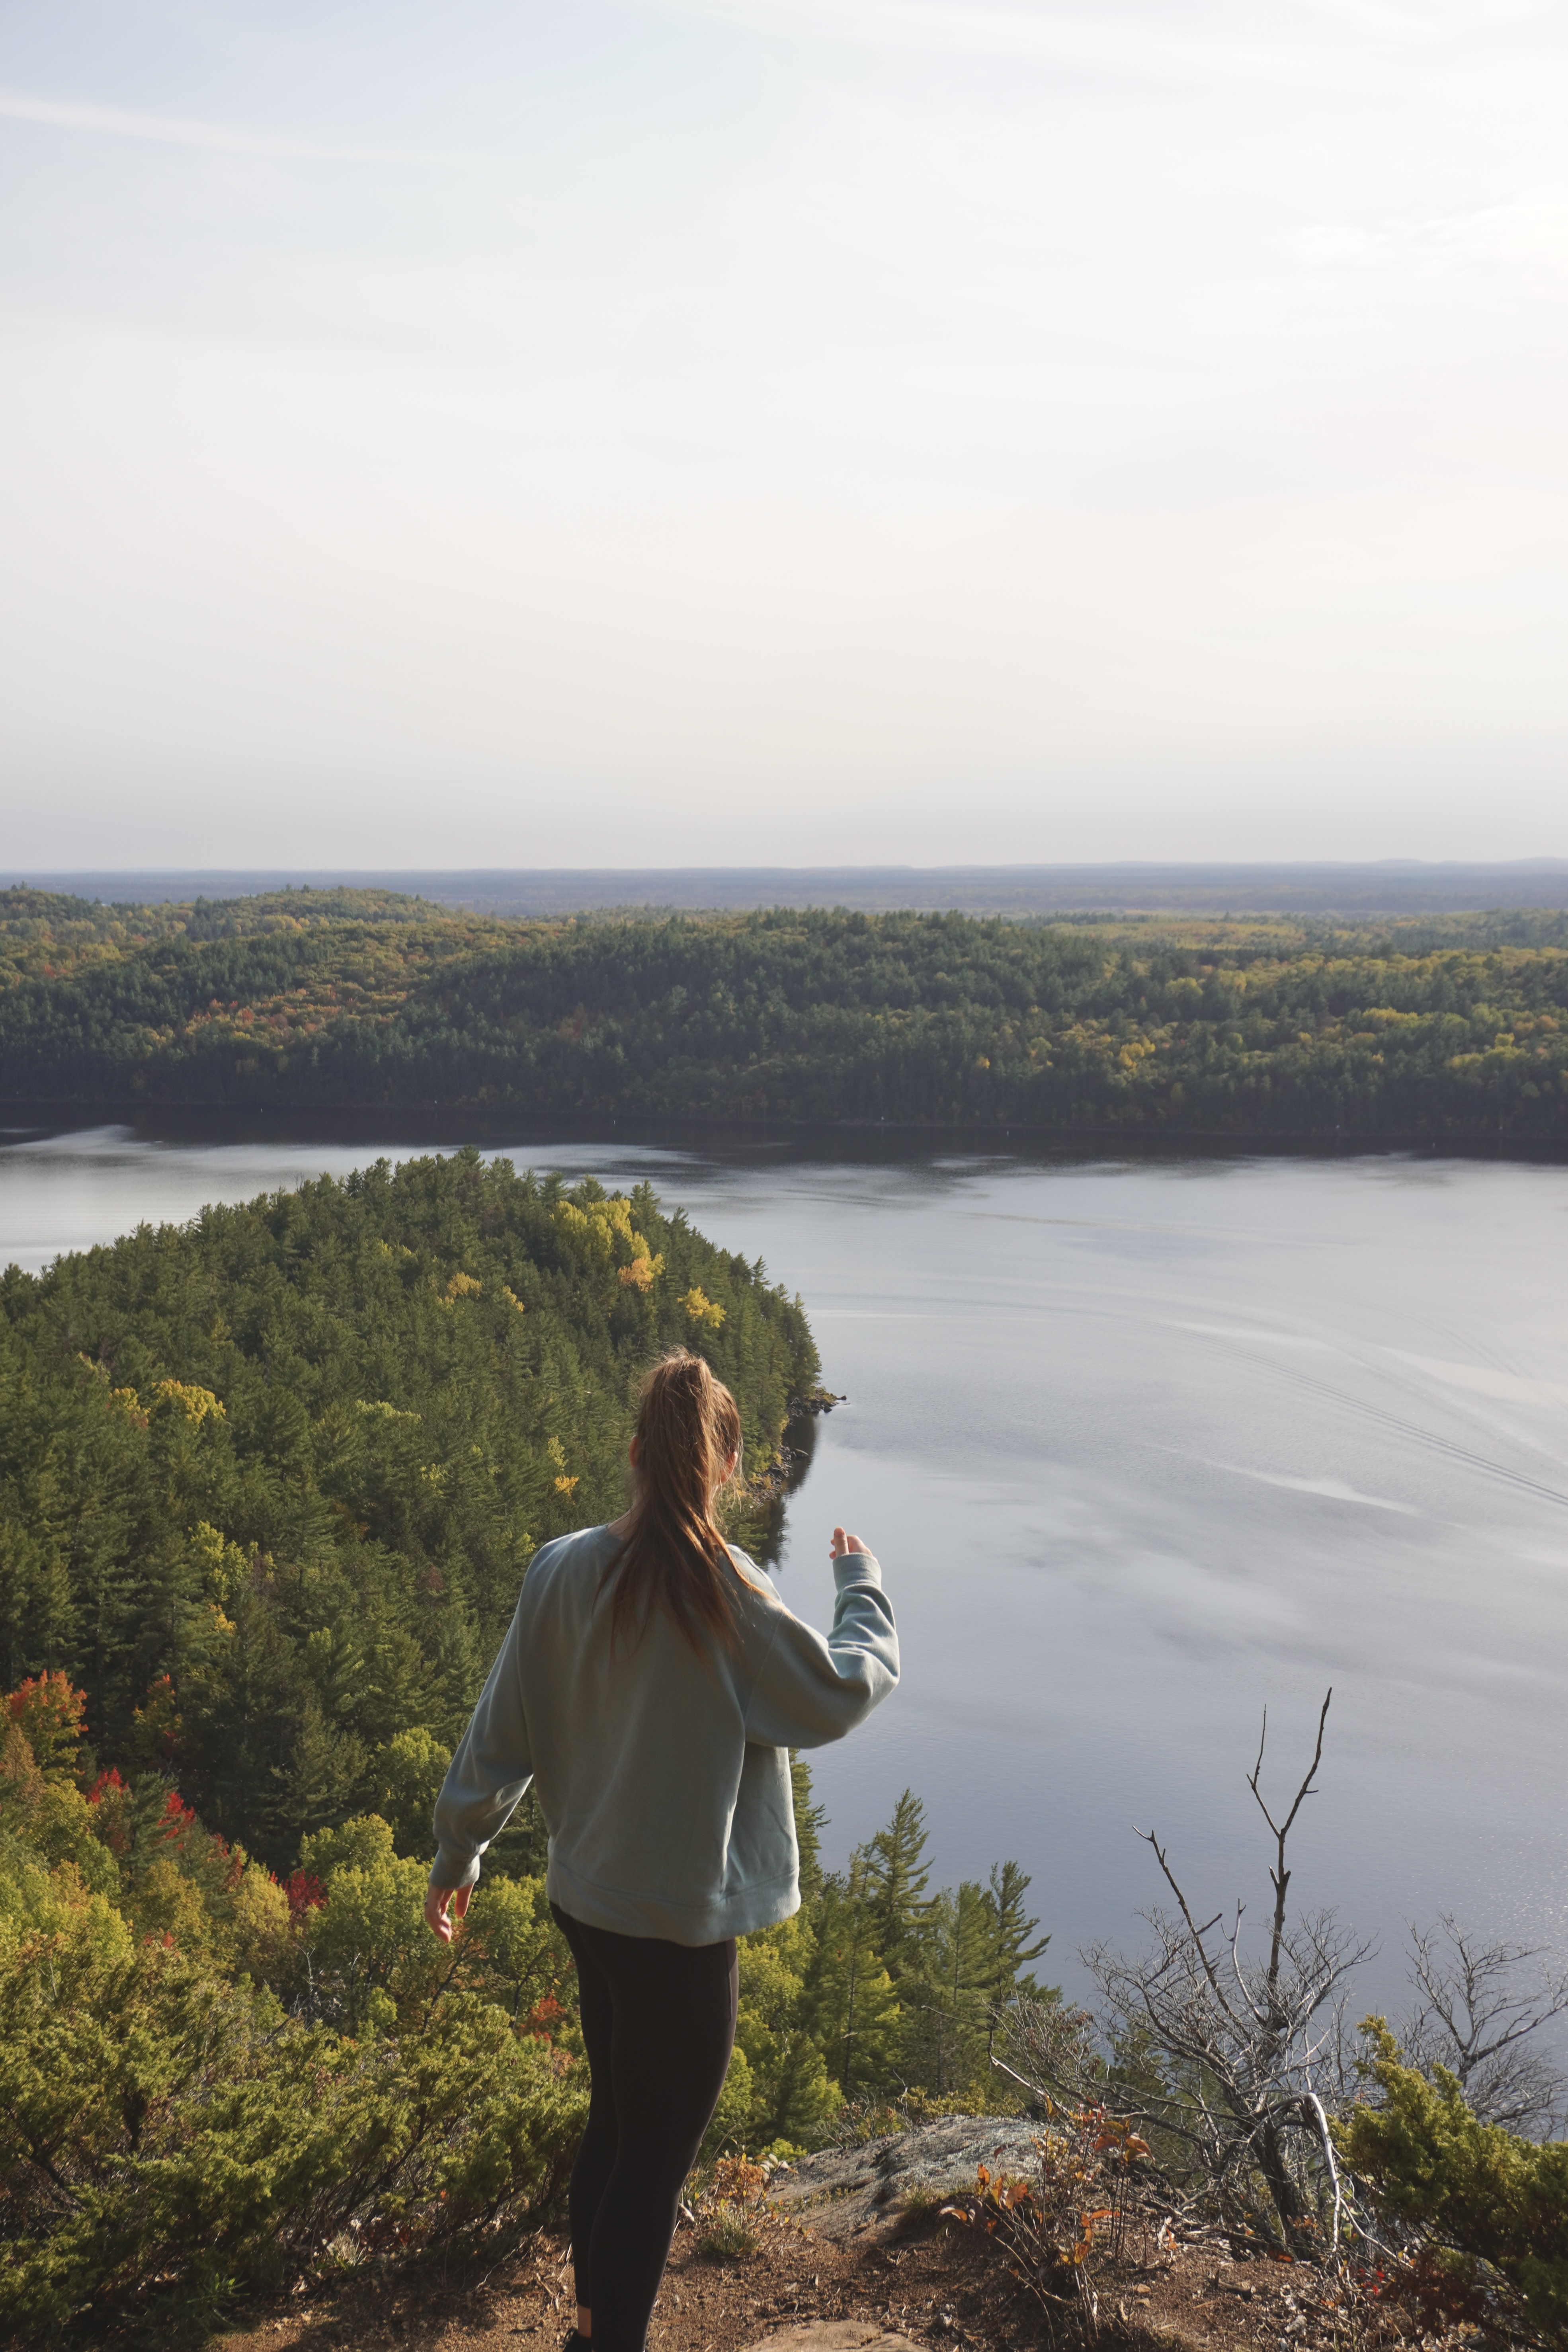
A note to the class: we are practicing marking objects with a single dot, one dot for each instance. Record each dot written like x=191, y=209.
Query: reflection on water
x=1143, y=1447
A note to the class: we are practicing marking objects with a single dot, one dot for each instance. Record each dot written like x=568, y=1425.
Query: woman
x=651, y=1685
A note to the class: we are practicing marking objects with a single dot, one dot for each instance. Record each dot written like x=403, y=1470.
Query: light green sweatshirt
x=662, y=1772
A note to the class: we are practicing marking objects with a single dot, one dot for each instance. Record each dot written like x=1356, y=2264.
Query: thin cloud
x=1529, y=231
x=214, y=138
x=1097, y=42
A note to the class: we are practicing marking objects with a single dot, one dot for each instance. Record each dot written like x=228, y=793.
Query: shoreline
x=37, y=1120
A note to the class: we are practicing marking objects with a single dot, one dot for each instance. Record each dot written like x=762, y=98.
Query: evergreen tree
x=851, y=2003
x=792, y=2096
x=1009, y=1930
x=895, y=1876
x=947, y=2008
x=809, y=1820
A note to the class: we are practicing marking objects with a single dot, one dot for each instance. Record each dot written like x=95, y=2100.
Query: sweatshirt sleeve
x=489, y=1776
x=812, y=1689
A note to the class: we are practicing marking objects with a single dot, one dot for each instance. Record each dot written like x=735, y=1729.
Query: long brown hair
x=674, y=1558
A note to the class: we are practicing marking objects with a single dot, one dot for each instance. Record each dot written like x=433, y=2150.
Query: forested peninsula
x=298, y=1454
x=317, y=1002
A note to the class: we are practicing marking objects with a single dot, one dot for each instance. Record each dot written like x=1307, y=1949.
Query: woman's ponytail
x=689, y=1447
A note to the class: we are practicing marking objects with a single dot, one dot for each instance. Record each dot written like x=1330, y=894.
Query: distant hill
x=1443, y=1029
x=1394, y=887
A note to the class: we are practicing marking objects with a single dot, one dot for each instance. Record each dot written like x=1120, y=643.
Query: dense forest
x=296, y=1456
x=336, y=999
x=268, y=1485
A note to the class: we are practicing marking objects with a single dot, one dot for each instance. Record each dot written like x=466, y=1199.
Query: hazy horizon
x=1350, y=889
x=726, y=432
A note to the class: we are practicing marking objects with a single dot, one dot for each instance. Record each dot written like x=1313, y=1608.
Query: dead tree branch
x=1279, y=1875
x=1214, y=2056
x=1476, y=2014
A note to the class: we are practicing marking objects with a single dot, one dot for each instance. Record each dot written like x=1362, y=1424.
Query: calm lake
x=1142, y=1447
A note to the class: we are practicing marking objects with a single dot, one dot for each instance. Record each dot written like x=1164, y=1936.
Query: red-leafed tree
x=49, y=1711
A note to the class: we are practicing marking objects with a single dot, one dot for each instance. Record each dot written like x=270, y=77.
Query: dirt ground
x=930, y=2282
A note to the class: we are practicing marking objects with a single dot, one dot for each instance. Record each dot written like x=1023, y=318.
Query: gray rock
x=845, y=2190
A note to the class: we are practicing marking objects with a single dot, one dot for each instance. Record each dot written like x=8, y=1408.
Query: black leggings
x=658, y=2020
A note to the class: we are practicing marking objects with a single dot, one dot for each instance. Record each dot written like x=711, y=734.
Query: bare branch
x=1280, y=1875
x=1306, y=1787
x=1217, y=2052
x=1475, y=2017
x=1197, y=1934
x=1013, y=2076
x=1326, y=2141
x=1236, y=1965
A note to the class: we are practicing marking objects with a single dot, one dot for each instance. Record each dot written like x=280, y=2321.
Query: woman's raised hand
x=843, y=1543
x=436, y=1914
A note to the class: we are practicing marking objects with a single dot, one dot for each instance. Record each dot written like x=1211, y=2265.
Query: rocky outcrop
x=845, y=2190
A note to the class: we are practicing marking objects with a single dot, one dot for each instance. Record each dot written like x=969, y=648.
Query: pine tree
x=792, y=2096
x=1009, y=1931
x=809, y=1822
x=318, y=1785
x=895, y=1878
x=851, y=2003
x=947, y=2008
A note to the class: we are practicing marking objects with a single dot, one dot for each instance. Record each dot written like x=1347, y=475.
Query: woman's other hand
x=843, y=1543
x=436, y=1914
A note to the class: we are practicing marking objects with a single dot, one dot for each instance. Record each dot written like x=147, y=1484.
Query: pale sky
x=620, y=432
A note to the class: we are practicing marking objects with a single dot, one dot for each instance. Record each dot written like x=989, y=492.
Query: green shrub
x=170, y=2137
x=169, y=2141
x=728, y=2237
x=792, y=2096
x=1490, y=2211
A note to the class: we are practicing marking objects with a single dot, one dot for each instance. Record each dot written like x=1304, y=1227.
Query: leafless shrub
x=1214, y=2055
x=1475, y=2014
x=1054, y=2050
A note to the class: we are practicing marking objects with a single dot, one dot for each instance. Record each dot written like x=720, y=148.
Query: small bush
x=921, y=2213
x=726, y=2230
x=1052, y=2229
x=873, y=2119
x=727, y=2236
x=1488, y=2212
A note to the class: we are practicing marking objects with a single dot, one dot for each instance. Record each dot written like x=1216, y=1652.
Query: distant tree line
x=1244, y=1029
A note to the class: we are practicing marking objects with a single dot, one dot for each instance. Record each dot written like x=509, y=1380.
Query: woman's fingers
x=843, y=1543
x=437, y=1918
